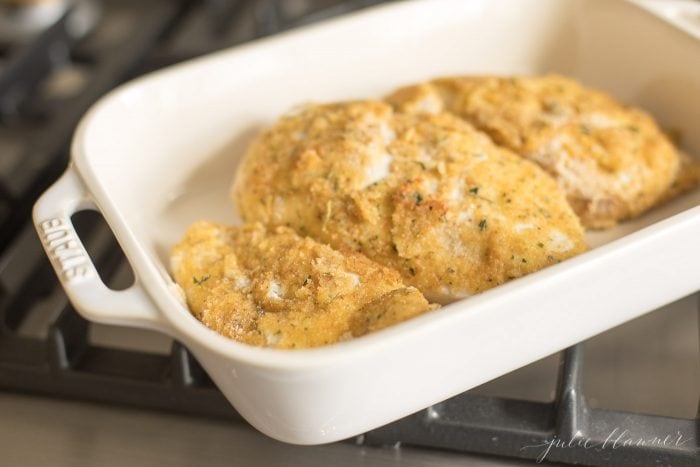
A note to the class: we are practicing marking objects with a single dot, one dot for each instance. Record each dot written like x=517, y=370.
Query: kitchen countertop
x=36, y=431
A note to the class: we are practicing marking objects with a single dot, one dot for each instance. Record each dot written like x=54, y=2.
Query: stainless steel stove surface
x=121, y=396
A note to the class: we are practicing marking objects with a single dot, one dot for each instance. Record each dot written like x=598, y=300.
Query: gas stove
x=629, y=396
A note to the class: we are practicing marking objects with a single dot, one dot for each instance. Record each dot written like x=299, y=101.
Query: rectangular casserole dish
x=160, y=152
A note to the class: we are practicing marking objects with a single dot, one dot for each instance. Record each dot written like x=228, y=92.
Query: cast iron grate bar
x=536, y=430
x=130, y=38
x=29, y=64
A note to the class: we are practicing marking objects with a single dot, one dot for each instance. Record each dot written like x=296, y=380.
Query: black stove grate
x=46, y=84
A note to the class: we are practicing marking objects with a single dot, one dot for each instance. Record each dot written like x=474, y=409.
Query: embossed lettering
x=65, y=249
x=51, y=224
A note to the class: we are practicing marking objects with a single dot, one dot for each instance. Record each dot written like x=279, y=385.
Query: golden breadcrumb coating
x=688, y=178
x=427, y=195
x=612, y=161
x=281, y=290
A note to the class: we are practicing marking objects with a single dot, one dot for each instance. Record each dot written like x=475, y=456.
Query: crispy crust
x=277, y=289
x=688, y=178
x=424, y=194
x=612, y=161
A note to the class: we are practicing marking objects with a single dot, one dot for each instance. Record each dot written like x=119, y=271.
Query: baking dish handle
x=683, y=14
x=78, y=276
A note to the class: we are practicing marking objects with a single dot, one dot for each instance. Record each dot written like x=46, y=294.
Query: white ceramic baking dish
x=160, y=152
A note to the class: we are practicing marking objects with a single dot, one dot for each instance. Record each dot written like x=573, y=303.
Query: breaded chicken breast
x=425, y=194
x=278, y=289
x=612, y=161
x=688, y=178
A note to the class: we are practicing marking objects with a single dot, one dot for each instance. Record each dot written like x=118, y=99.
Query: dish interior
x=165, y=148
